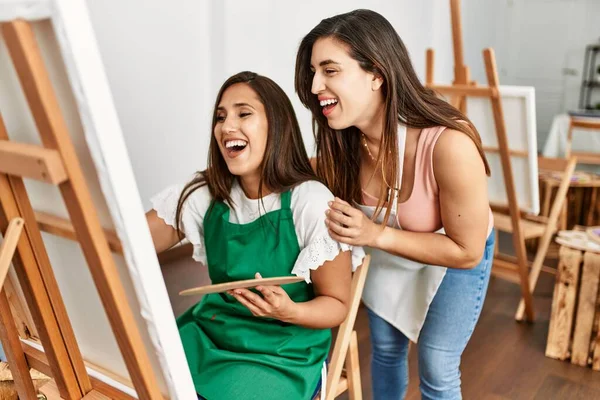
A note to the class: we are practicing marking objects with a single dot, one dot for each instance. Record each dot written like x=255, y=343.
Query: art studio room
x=286, y=200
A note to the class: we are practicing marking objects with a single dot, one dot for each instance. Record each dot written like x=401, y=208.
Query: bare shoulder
x=455, y=152
x=454, y=146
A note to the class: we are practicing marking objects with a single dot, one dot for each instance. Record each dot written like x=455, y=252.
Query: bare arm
x=164, y=235
x=464, y=208
x=332, y=282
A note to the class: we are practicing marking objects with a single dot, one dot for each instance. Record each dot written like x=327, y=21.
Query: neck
x=250, y=186
x=372, y=125
x=372, y=129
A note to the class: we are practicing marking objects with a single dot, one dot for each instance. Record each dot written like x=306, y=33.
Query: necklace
x=364, y=140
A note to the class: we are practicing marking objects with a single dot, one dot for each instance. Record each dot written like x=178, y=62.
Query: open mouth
x=328, y=105
x=235, y=147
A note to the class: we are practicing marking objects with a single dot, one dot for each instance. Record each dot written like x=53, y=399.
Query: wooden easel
x=582, y=124
x=462, y=88
x=8, y=332
x=56, y=163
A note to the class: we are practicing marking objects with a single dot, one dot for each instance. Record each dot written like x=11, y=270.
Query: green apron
x=231, y=353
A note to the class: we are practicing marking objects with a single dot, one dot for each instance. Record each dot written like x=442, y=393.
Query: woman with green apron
x=257, y=209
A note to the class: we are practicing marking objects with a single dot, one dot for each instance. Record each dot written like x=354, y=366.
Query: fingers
x=254, y=309
x=339, y=218
x=341, y=239
x=256, y=304
x=259, y=306
x=267, y=293
x=344, y=207
x=341, y=201
x=339, y=229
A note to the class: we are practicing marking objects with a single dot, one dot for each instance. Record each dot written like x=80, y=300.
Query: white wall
x=157, y=58
x=166, y=61
x=538, y=43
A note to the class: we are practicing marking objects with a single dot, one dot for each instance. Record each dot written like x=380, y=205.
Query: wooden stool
x=583, y=200
x=574, y=331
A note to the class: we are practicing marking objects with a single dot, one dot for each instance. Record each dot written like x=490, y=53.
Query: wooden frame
x=8, y=331
x=508, y=217
x=545, y=228
x=62, y=227
x=522, y=144
x=60, y=165
x=513, y=206
x=345, y=350
x=31, y=161
x=582, y=124
x=574, y=330
x=458, y=99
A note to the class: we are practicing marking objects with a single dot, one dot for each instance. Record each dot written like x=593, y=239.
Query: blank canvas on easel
x=518, y=104
x=78, y=79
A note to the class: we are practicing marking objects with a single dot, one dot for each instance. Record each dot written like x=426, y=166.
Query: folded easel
x=55, y=163
x=461, y=88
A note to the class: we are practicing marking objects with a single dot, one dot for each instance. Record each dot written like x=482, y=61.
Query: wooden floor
x=504, y=359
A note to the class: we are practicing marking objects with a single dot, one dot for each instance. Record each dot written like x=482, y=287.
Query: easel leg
x=8, y=247
x=8, y=331
x=590, y=217
x=14, y=353
x=534, y=274
x=517, y=233
x=353, y=369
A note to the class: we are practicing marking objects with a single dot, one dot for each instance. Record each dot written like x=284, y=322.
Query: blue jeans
x=446, y=331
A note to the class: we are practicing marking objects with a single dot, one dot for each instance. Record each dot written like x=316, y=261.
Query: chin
x=237, y=171
x=337, y=125
x=242, y=171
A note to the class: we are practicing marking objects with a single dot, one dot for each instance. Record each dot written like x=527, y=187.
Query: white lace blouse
x=308, y=203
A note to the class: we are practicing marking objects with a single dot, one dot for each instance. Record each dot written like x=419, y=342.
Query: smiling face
x=348, y=95
x=241, y=130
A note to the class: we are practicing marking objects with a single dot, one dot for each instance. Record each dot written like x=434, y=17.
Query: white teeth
x=232, y=143
x=327, y=102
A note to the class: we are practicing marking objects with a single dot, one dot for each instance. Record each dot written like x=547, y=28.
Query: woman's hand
x=274, y=303
x=349, y=225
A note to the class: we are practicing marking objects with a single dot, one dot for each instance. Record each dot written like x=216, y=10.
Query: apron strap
x=286, y=200
x=401, y=150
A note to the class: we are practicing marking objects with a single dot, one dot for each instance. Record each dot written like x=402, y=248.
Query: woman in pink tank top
x=410, y=177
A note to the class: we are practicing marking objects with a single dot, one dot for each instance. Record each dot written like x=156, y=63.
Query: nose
x=317, y=84
x=228, y=126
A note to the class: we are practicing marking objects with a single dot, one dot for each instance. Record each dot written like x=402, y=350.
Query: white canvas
x=518, y=104
x=68, y=45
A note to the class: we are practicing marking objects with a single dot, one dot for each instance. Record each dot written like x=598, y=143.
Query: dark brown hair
x=285, y=163
x=373, y=42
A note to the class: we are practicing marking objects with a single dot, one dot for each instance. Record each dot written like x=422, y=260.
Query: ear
x=376, y=82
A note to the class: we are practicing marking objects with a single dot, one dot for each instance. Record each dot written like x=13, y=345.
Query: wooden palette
x=223, y=287
x=579, y=240
x=594, y=233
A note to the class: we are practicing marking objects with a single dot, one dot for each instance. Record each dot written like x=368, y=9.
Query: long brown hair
x=373, y=42
x=285, y=163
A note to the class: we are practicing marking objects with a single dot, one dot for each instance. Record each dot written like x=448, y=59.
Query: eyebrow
x=237, y=105
x=326, y=62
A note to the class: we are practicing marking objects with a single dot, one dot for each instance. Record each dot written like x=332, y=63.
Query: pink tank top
x=421, y=212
